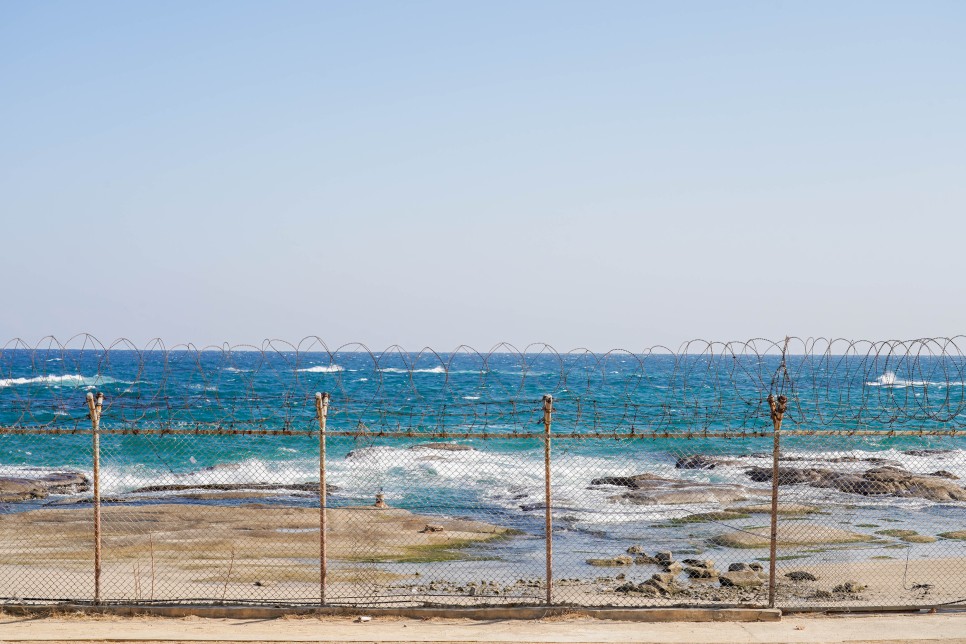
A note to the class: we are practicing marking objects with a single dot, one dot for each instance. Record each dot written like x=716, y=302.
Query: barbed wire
x=703, y=386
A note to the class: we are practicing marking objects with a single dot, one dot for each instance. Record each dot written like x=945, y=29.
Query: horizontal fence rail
x=806, y=473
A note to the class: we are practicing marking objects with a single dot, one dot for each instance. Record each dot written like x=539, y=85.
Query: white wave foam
x=438, y=369
x=328, y=368
x=66, y=380
x=889, y=379
x=253, y=470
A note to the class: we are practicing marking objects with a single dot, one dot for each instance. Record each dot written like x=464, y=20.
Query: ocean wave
x=438, y=369
x=66, y=380
x=889, y=379
x=328, y=368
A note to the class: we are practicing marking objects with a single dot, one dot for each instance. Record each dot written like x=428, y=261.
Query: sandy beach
x=259, y=552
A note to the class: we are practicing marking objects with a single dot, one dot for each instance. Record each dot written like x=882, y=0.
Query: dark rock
x=664, y=557
x=635, y=550
x=885, y=480
x=927, y=452
x=637, y=481
x=696, y=462
x=700, y=572
x=673, y=568
x=740, y=579
x=738, y=567
x=943, y=474
x=849, y=588
x=641, y=560
x=15, y=489
x=801, y=575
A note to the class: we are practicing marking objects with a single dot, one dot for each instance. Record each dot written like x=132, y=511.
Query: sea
x=461, y=435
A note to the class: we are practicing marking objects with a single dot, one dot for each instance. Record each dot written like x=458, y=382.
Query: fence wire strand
x=660, y=475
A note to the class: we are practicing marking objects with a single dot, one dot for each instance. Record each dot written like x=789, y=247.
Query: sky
x=586, y=174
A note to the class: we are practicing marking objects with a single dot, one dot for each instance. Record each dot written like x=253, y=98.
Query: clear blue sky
x=601, y=174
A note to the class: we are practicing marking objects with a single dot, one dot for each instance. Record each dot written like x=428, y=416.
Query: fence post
x=778, y=407
x=322, y=413
x=95, y=406
x=547, y=417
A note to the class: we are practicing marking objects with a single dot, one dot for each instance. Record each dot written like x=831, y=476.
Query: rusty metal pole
x=95, y=405
x=322, y=412
x=547, y=417
x=778, y=407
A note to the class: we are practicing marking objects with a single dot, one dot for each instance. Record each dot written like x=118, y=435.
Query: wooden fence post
x=322, y=412
x=95, y=405
x=547, y=417
x=778, y=407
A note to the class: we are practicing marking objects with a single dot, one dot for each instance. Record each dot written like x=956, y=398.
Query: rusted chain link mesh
x=662, y=474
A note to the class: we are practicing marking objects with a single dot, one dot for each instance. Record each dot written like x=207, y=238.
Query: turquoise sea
x=610, y=413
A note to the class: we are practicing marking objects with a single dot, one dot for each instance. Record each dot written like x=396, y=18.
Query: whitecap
x=329, y=368
x=71, y=380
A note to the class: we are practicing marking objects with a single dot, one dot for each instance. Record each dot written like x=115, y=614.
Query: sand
x=248, y=552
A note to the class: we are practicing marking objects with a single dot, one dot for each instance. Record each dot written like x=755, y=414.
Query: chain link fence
x=721, y=475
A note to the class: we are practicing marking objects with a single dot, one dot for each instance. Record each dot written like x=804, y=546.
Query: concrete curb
x=502, y=613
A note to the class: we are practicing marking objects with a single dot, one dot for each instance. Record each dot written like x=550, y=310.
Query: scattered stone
x=801, y=575
x=641, y=560
x=635, y=550
x=799, y=534
x=662, y=583
x=664, y=557
x=849, y=588
x=757, y=567
x=622, y=560
x=699, y=563
x=664, y=577
x=740, y=579
x=738, y=567
x=821, y=594
x=621, y=576
x=673, y=568
x=430, y=527
x=695, y=572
